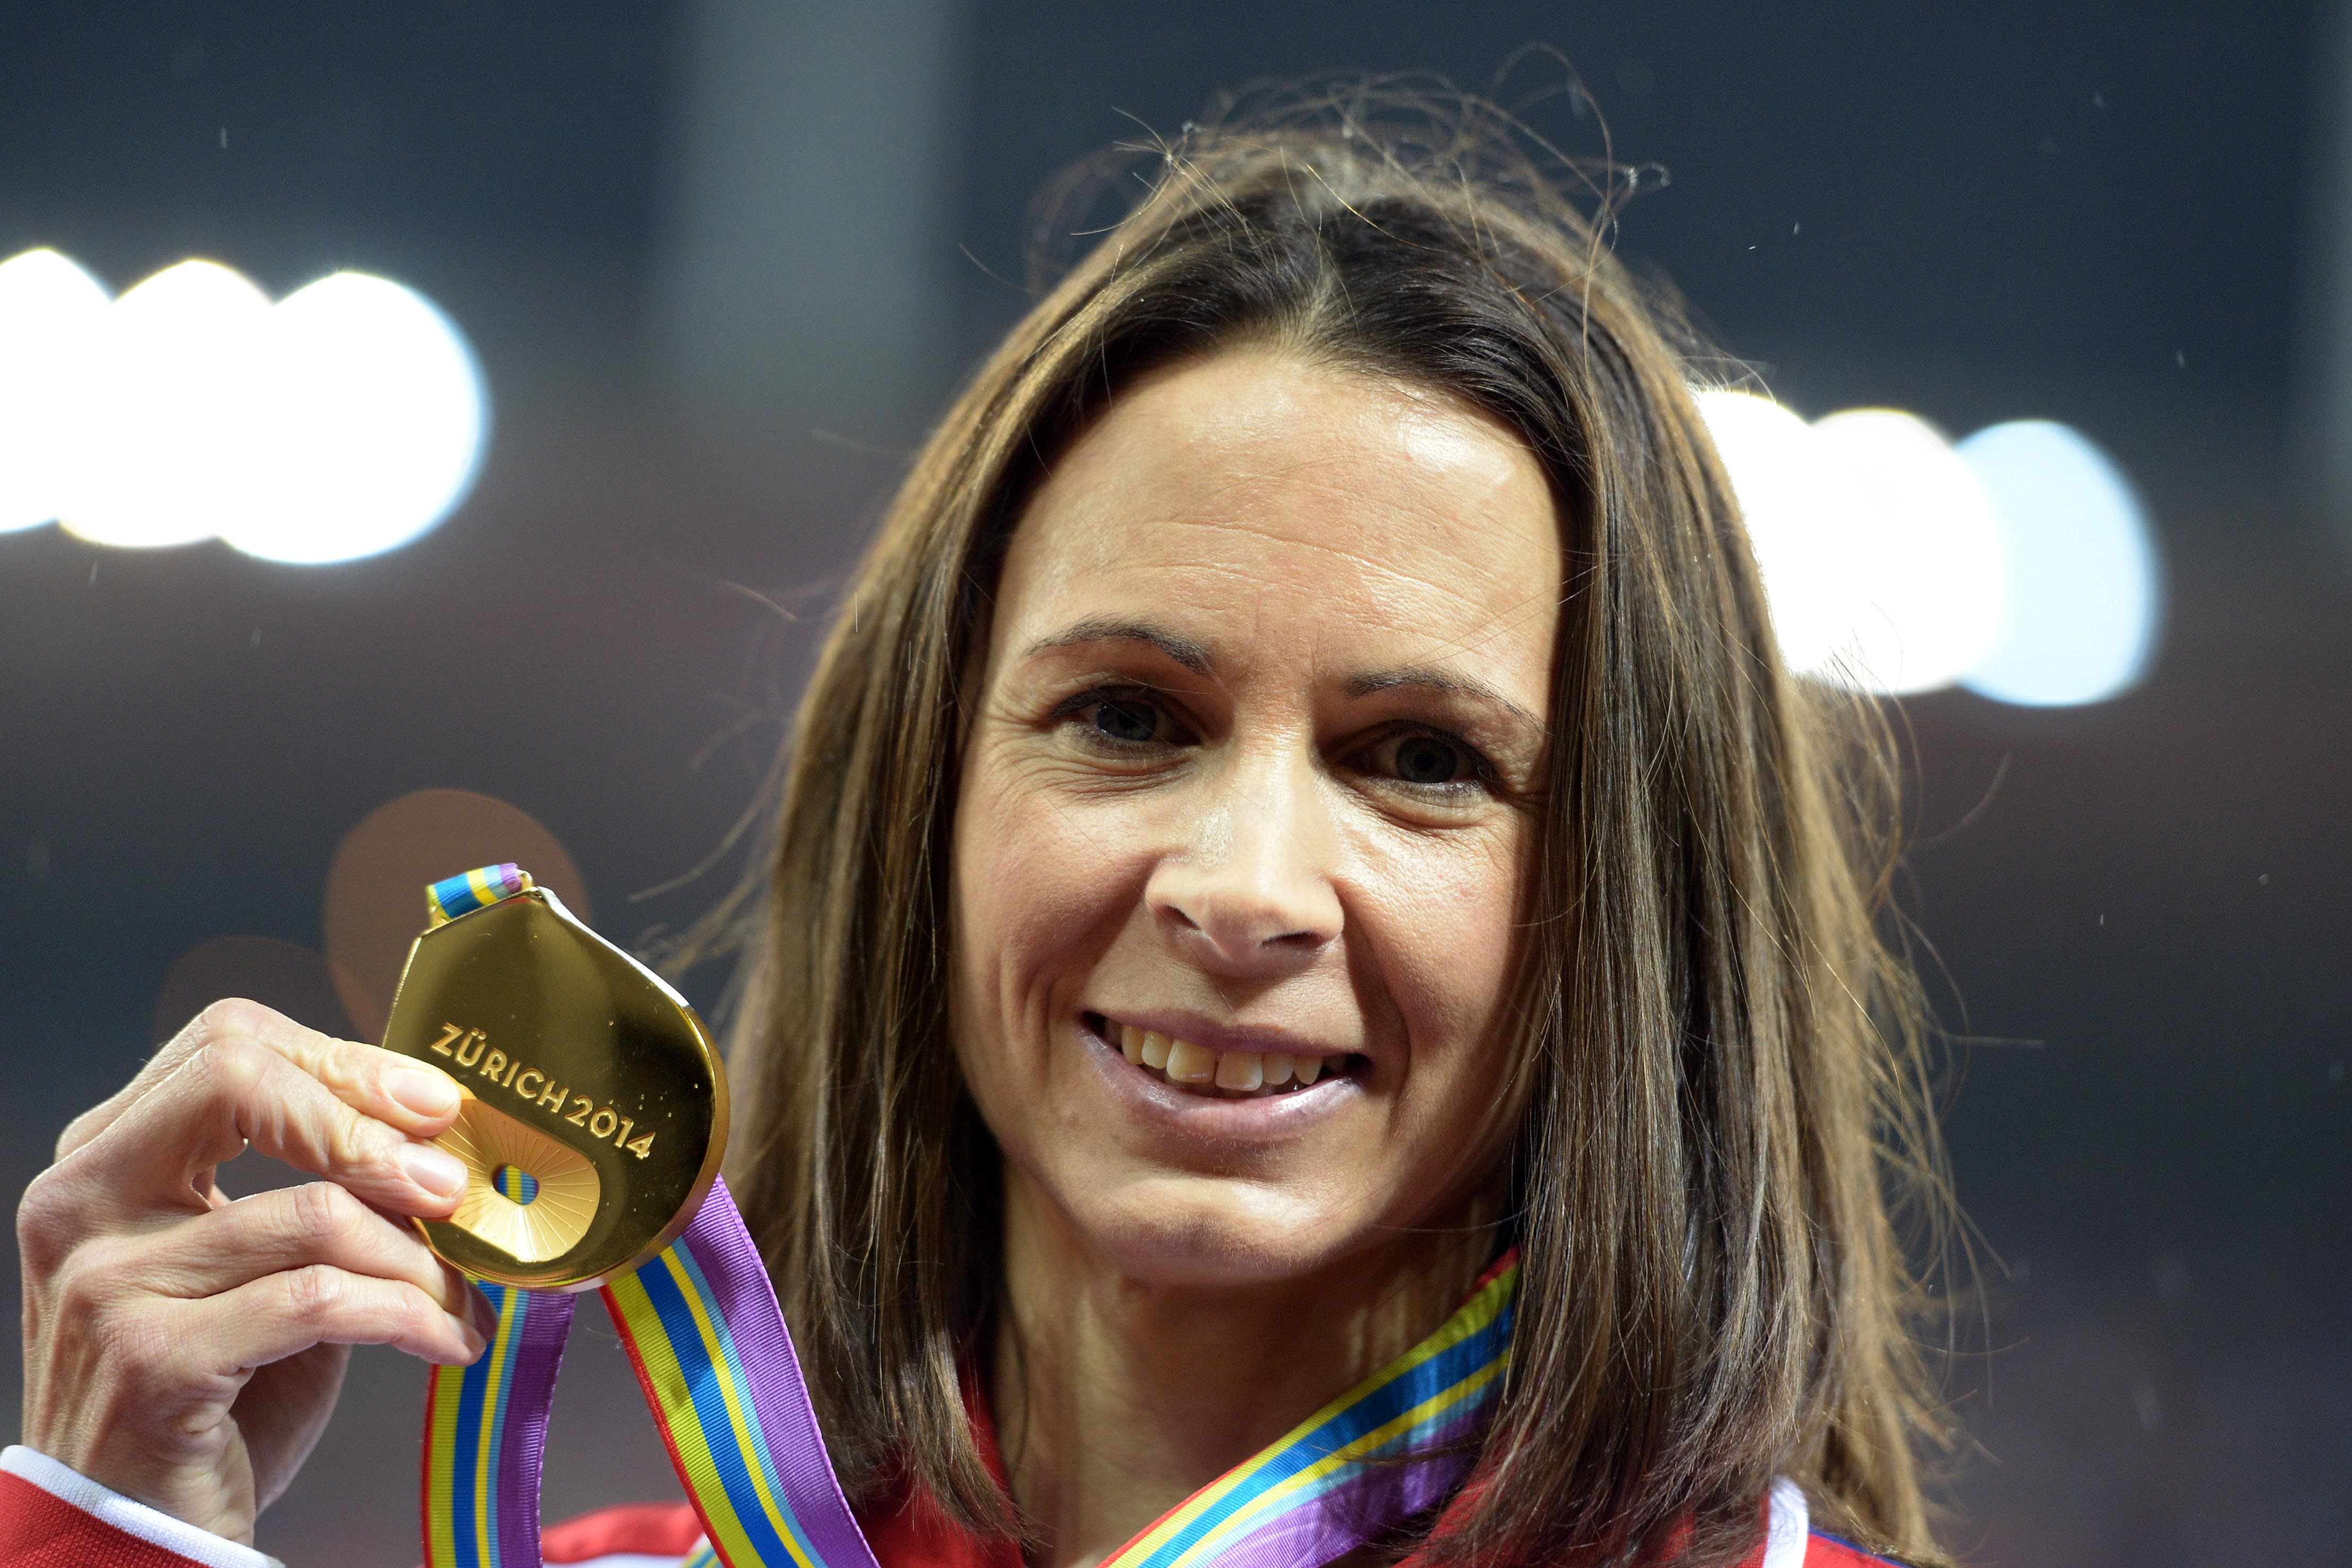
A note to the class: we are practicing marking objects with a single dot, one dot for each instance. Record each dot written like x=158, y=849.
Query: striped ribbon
x=702, y=1328
x=466, y=892
x=486, y=1428
x=1338, y=1479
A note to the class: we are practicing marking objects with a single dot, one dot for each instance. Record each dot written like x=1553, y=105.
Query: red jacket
x=52, y=1518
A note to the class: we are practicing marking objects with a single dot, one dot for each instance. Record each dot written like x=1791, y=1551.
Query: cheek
x=1037, y=896
x=1446, y=916
x=1449, y=919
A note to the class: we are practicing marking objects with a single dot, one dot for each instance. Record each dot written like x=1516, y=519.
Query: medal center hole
x=516, y=1183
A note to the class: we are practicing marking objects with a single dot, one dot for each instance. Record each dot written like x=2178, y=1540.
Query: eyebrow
x=1423, y=678
x=1109, y=628
x=1195, y=657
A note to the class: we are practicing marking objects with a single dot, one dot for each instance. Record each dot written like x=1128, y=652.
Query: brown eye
x=1426, y=760
x=1128, y=719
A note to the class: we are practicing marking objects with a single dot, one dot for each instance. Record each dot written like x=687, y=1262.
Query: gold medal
x=581, y=1070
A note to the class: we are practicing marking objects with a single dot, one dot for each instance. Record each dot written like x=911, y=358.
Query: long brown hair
x=1726, y=1113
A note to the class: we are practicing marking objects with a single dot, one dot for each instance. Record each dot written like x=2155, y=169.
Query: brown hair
x=1726, y=1113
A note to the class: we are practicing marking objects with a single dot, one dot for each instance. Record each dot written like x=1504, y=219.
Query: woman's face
x=1245, y=808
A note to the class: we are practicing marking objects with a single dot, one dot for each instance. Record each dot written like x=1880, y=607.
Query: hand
x=186, y=1349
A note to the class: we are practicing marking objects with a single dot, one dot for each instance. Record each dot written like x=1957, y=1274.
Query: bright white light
x=374, y=423
x=1805, y=521
x=1935, y=566
x=344, y=422
x=2085, y=587
x=166, y=446
x=51, y=315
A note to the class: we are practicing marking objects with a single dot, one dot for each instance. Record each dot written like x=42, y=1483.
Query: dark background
x=721, y=262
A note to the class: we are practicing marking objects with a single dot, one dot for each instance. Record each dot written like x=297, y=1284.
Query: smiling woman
x=1242, y=815
x=1316, y=997
x=1245, y=789
x=1303, y=801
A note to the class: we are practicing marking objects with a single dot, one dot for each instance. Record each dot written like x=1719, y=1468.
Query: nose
x=1251, y=891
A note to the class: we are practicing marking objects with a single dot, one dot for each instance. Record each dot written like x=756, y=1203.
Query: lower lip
x=1258, y=1119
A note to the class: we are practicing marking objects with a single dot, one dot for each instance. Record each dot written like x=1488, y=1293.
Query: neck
x=1116, y=1398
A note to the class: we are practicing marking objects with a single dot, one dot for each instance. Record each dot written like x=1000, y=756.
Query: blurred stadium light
x=50, y=310
x=376, y=414
x=1939, y=573
x=2020, y=564
x=164, y=438
x=2085, y=593
x=1805, y=521
x=344, y=421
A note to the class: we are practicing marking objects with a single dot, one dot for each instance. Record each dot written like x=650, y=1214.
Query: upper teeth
x=1185, y=1062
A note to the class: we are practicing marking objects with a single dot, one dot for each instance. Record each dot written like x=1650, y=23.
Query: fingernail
x=423, y=1091
x=436, y=1170
x=472, y=1336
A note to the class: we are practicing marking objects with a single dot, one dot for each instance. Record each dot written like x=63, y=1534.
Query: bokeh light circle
x=374, y=418
x=2087, y=583
x=1804, y=518
x=51, y=312
x=167, y=447
x=1933, y=559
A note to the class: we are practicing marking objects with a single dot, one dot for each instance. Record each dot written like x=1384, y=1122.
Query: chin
x=1212, y=1231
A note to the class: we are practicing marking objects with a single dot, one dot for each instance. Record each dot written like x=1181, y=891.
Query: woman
x=1301, y=803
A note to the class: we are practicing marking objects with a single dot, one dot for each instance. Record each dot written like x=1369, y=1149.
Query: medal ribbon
x=1336, y=1479
x=703, y=1331
x=707, y=1340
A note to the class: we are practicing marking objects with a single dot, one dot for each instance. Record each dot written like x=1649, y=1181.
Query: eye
x=1121, y=717
x=1424, y=760
x=1130, y=719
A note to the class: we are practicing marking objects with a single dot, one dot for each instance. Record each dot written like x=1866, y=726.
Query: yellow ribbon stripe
x=441, y=1538
x=1371, y=1443
x=1474, y=1315
x=693, y=1444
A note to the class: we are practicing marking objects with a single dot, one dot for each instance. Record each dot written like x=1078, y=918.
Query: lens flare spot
x=375, y=416
x=1805, y=523
x=51, y=313
x=2086, y=582
x=375, y=886
x=1934, y=561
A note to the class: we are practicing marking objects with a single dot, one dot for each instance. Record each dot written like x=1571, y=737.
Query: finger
x=415, y=1097
x=237, y=1091
x=279, y=1315
x=293, y=1227
x=155, y=1070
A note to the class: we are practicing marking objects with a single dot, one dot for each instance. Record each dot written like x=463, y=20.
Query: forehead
x=1277, y=501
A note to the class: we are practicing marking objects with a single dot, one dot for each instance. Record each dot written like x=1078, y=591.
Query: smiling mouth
x=1219, y=1075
